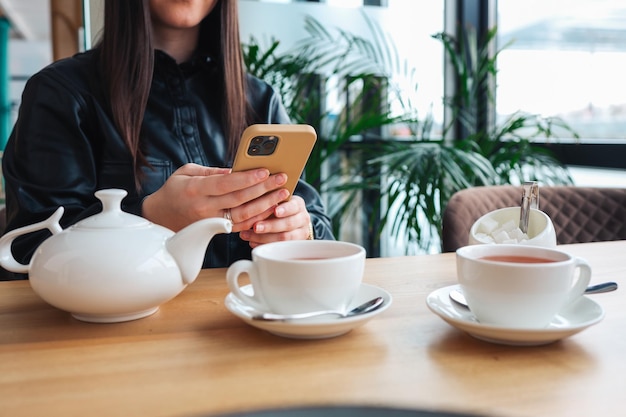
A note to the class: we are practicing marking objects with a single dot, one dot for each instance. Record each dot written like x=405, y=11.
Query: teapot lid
x=112, y=215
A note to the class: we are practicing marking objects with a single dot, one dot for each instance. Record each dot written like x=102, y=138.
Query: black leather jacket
x=64, y=146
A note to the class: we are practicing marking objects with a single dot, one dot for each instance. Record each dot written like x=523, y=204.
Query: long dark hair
x=127, y=64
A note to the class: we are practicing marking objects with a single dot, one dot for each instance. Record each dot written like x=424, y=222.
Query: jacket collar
x=200, y=61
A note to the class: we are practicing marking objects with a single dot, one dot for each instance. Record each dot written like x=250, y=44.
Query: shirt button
x=175, y=81
x=188, y=130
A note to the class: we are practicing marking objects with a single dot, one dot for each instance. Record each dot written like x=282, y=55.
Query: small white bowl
x=540, y=228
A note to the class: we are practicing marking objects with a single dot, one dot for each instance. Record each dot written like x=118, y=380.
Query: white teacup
x=519, y=286
x=300, y=276
x=540, y=228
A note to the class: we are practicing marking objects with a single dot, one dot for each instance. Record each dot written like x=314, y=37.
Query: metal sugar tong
x=530, y=199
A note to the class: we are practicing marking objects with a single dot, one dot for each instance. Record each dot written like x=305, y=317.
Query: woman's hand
x=291, y=221
x=196, y=192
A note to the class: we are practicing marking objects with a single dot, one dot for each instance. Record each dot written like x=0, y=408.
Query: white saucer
x=312, y=328
x=571, y=320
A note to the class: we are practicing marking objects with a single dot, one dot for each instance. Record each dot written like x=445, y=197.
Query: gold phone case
x=292, y=145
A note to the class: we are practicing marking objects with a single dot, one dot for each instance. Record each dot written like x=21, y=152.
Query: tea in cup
x=502, y=226
x=300, y=276
x=517, y=286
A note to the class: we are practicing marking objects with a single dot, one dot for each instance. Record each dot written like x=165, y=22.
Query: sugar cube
x=487, y=226
x=501, y=236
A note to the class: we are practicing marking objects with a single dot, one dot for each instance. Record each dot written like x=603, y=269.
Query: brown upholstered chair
x=579, y=214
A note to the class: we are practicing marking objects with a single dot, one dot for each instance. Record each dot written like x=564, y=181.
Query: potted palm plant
x=421, y=175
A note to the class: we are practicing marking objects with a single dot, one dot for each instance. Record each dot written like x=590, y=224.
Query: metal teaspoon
x=366, y=307
x=458, y=297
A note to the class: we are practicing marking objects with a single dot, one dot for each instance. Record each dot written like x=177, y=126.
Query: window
x=566, y=58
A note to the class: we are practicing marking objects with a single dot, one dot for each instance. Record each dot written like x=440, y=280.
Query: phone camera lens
x=262, y=145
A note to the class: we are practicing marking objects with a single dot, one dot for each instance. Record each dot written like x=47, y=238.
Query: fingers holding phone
x=263, y=204
x=290, y=221
x=193, y=193
x=280, y=149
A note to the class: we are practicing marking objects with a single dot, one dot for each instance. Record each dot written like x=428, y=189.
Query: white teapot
x=113, y=266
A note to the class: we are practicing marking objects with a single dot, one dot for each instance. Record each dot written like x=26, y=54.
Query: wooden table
x=194, y=358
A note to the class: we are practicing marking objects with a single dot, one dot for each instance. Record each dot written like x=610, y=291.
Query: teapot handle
x=6, y=256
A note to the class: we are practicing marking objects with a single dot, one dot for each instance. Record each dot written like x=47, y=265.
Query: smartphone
x=277, y=147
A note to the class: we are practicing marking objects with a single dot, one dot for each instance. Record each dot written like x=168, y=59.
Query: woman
x=156, y=108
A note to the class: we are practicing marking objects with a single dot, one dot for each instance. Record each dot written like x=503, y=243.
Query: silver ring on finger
x=227, y=215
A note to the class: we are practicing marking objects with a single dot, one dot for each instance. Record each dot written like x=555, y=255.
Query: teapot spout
x=188, y=246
